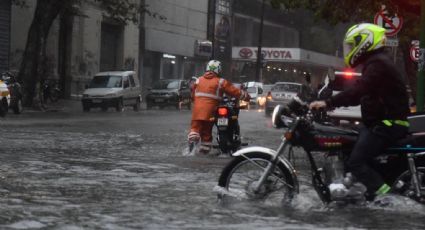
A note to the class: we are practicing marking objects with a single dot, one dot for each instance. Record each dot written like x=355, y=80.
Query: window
x=126, y=82
x=106, y=82
x=132, y=82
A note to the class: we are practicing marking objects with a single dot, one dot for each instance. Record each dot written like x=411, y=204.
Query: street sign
x=391, y=23
x=391, y=42
x=414, y=51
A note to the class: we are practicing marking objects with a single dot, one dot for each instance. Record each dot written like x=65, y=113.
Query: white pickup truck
x=334, y=85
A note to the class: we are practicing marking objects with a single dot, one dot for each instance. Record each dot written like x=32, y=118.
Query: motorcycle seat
x=414, y=141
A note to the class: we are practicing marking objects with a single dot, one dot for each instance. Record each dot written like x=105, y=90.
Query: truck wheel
x=120, y=105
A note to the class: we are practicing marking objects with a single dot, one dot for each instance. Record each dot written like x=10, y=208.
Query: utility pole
x=421, y=63
x=260, y=41
x=212, y=12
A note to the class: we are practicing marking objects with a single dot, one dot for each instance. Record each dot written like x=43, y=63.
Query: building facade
x=78, y=46
x=293, y=44
x=170, y=42
x=5, y=12
x=175, y=39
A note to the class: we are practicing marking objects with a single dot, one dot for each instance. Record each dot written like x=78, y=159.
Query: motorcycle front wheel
x=240, y=177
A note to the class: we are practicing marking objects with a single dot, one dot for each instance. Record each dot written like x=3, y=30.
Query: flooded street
x=108, y=170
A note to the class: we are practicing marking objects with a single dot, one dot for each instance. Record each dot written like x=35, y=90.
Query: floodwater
x=74, y=170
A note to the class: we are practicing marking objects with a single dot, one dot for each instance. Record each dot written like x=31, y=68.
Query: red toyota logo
x=245, y=53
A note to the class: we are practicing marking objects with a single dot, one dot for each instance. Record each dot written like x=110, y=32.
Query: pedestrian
x=208, y=90
x=382, y=95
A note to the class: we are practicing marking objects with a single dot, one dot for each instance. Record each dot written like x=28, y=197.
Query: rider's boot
x=356, y=190
x=193, y=142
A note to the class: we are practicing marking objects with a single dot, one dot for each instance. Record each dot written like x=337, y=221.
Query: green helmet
x=361, y=39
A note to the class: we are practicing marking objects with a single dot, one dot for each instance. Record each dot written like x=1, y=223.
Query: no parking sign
x=391, y=23
x=414, y=51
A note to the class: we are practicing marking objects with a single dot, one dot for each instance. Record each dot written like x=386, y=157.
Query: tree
x=336, y=11
x=33, y=65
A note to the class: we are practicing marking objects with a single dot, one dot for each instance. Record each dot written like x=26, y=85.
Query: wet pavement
x=106, y=170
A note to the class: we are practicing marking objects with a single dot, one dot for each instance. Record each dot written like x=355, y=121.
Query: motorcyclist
x=382, y=94
x=208, y=90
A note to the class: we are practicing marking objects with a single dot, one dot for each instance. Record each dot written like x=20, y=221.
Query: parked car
x=281, y=94
x=115, y=89
x=334, y=85
x=169, y=92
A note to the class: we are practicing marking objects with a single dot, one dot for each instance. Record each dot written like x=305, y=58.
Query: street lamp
x=421, y=63
x=260, y=41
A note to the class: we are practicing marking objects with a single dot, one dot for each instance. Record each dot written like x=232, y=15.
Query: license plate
x=159, y=100
x=97, y=100
x=222, y=122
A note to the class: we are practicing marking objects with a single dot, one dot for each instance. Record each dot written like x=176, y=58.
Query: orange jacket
x=208, y=92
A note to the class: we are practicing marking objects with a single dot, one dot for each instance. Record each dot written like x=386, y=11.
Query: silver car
x=281, y=93
x=112, y=89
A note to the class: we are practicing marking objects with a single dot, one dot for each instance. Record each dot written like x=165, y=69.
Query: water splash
x=393, y=202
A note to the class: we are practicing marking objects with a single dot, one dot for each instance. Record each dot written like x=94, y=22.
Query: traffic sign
x=391, y=23
x=414, y=51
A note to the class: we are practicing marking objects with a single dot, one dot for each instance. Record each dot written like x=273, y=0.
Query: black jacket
x=381, y=91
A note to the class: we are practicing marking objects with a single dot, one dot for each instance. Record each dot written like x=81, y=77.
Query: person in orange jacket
x=207, y=92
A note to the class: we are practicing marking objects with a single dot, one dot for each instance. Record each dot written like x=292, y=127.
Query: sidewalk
x=63, y=105
x=66, y=105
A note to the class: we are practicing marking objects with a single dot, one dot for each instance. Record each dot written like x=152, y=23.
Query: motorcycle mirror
x=276, y=117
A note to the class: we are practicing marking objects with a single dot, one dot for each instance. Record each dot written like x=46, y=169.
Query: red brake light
x=348, y=75
x=222, y=111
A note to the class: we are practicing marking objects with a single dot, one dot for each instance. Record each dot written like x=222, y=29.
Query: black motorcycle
x=260, y=173
x=227, y=124
x=15, y=90
x=50, y=91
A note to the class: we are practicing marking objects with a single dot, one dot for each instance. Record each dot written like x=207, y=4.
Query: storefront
x=282, y=64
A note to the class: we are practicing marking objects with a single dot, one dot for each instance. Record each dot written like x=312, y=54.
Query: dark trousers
x=371, y=143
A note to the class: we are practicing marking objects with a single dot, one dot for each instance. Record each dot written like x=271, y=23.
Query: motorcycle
x=259, y=173
x=15, y=90
x=50, y=92
x=227, y=124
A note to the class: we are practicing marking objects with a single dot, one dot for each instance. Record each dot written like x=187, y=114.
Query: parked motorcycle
x=15, y=90
x=226, y=121
x=259, y=173
x=51, y=92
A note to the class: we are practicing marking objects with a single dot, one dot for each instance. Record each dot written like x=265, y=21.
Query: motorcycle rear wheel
x=408, y=189
x=241, y=174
